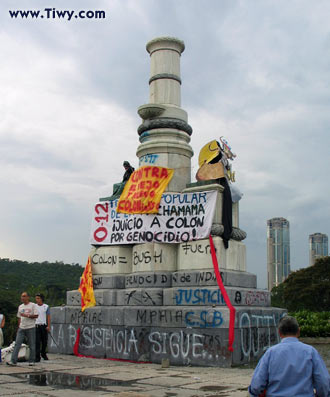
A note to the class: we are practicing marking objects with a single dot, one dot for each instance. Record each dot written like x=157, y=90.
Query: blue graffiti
x=149, y=158
x=198, y=296
x=204, y=320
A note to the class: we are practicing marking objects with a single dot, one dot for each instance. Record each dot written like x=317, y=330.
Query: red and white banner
x=181, y=217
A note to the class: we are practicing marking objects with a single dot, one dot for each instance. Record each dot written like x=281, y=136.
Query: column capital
x=165, y=43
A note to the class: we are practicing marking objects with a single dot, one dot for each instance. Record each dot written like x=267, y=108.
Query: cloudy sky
x=257, y=72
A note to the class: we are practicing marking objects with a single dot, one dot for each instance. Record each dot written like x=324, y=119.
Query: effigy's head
x=213, y=161
x=226, y=148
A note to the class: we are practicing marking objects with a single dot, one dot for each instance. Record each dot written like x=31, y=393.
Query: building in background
x=278, y=251
x=318, y=247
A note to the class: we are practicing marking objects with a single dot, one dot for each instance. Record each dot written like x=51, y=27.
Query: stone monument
x=160, y=301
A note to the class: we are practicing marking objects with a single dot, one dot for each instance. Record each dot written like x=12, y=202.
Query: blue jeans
x=30, y=334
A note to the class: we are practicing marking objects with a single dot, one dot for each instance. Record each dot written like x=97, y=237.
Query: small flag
x=86, y=287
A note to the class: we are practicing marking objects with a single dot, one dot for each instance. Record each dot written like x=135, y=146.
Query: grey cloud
x=256, y=73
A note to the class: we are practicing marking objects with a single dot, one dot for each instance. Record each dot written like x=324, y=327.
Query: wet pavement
x=72, y=376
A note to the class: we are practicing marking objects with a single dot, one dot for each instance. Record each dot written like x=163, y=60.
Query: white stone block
x=165, y=91
x=236, y=256
x=195, y=255
x=154, y=257
x=114, y=259
x=165, y=61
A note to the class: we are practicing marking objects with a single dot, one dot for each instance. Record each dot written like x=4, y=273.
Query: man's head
x=288, y=326
x=126, y=164
x=25, y=298
x=40, y=299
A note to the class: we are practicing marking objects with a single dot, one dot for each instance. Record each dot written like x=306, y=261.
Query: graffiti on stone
x=97, y=281
x=150, y=279
x=256, y=297
x=194, y=278
x=146, y=257
x=143, y=297
x=195, y=247
x=109, y=259
x=192, y=318
x=86, y=317
x=148, y=159
x=257, y=333
x=238, y=297
x=198, y=296
x=115, y=340
x=181, y=345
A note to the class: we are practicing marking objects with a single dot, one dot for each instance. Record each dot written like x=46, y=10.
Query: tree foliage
x=50, y=279
x=313, y=324
x=305, y=289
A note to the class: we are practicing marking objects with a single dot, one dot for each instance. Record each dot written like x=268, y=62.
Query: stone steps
x=177, y=296
x=181, y=315
x=166, y=316
x=166, y=279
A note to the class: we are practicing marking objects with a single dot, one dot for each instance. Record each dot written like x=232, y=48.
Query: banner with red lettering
x=143, y=192
x=181, y=217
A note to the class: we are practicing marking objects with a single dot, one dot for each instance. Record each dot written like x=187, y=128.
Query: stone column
x=165, y=132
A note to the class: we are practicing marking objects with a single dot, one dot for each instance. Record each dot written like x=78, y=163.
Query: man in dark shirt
x=119, y=187
x=128, y=171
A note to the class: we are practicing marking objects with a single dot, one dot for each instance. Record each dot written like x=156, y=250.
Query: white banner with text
x=182, y=217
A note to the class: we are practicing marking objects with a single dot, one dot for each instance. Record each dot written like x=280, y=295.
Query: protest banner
x=143, y=192
x=86, y=287
x=181, y=217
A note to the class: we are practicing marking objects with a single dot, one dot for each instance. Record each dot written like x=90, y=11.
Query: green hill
x=50, y=279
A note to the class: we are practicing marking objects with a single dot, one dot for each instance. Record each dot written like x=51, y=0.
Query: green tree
x=51, y=279
x=305, y=289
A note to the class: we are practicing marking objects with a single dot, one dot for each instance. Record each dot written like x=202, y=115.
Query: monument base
x=178, y=316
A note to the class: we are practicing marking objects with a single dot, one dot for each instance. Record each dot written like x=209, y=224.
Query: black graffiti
x=149, y=279
x=182, y=278
x=196, y=278
x=147, y=298
x=238, y=297
x=207, y=276
x=163, y=315
x=97, y=281
x=193, y=248
x=86, y=317
x=146, y=257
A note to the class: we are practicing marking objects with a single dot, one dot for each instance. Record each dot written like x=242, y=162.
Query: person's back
x=290, y=369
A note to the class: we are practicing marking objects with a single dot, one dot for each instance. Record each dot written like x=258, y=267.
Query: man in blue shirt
x=290, y=368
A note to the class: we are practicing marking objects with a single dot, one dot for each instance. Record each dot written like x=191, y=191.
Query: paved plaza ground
x=70, y=376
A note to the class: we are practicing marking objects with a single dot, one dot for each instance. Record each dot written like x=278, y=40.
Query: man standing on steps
x=290, y=368
x=42, y=327
x=27, y=314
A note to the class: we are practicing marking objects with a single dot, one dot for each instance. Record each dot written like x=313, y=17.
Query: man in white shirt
x=2, y=324
x=27, y=314
x=42, y=327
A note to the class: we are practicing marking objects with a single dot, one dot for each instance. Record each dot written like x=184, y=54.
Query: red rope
x=225, y=296
x=76, y=353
